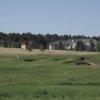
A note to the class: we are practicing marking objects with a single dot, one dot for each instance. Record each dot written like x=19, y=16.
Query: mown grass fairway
x=48, y=77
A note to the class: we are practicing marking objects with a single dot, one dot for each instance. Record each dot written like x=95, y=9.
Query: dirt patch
x=83, y=63
x=84, y=58
x=42, y=60
x=92, y=64
x=56, y=59
x=28, y=60
x=86, y=63
x=35, y=60
x=70, y=61
x=75, y=60
x=79, y=61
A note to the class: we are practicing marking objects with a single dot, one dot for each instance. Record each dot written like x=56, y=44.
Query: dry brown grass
x=19, y=51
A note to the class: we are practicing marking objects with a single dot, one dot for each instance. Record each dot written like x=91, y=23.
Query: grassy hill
x=49, y=77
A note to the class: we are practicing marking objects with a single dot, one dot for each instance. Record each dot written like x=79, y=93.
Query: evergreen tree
x=92, y=45
x=80, y=46
x=98, y=46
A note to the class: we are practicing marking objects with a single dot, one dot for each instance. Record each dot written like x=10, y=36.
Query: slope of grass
x=47, y=77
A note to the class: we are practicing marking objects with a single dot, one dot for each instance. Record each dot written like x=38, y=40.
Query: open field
x=37, y=76
x=15, y=51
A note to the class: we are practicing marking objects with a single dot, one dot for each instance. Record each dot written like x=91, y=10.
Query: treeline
x=15, y=39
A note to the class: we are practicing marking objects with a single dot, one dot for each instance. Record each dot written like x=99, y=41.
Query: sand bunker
x=29, y=60
x=80, y=61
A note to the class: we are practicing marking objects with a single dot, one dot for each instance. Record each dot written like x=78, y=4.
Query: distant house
x=71, y=44
x=23, y=45
x=89, y=43
x=1, y=43
x=67, y=44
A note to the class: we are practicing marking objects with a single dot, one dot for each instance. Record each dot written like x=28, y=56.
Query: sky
x=75, y=17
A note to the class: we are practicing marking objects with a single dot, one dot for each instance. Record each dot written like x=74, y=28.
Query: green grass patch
x=47, y=77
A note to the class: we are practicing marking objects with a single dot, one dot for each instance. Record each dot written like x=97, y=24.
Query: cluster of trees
x=98, y=46
x=80, y=46
x=38, y=40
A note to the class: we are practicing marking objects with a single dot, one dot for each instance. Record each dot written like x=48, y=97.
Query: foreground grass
x=49, y=78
